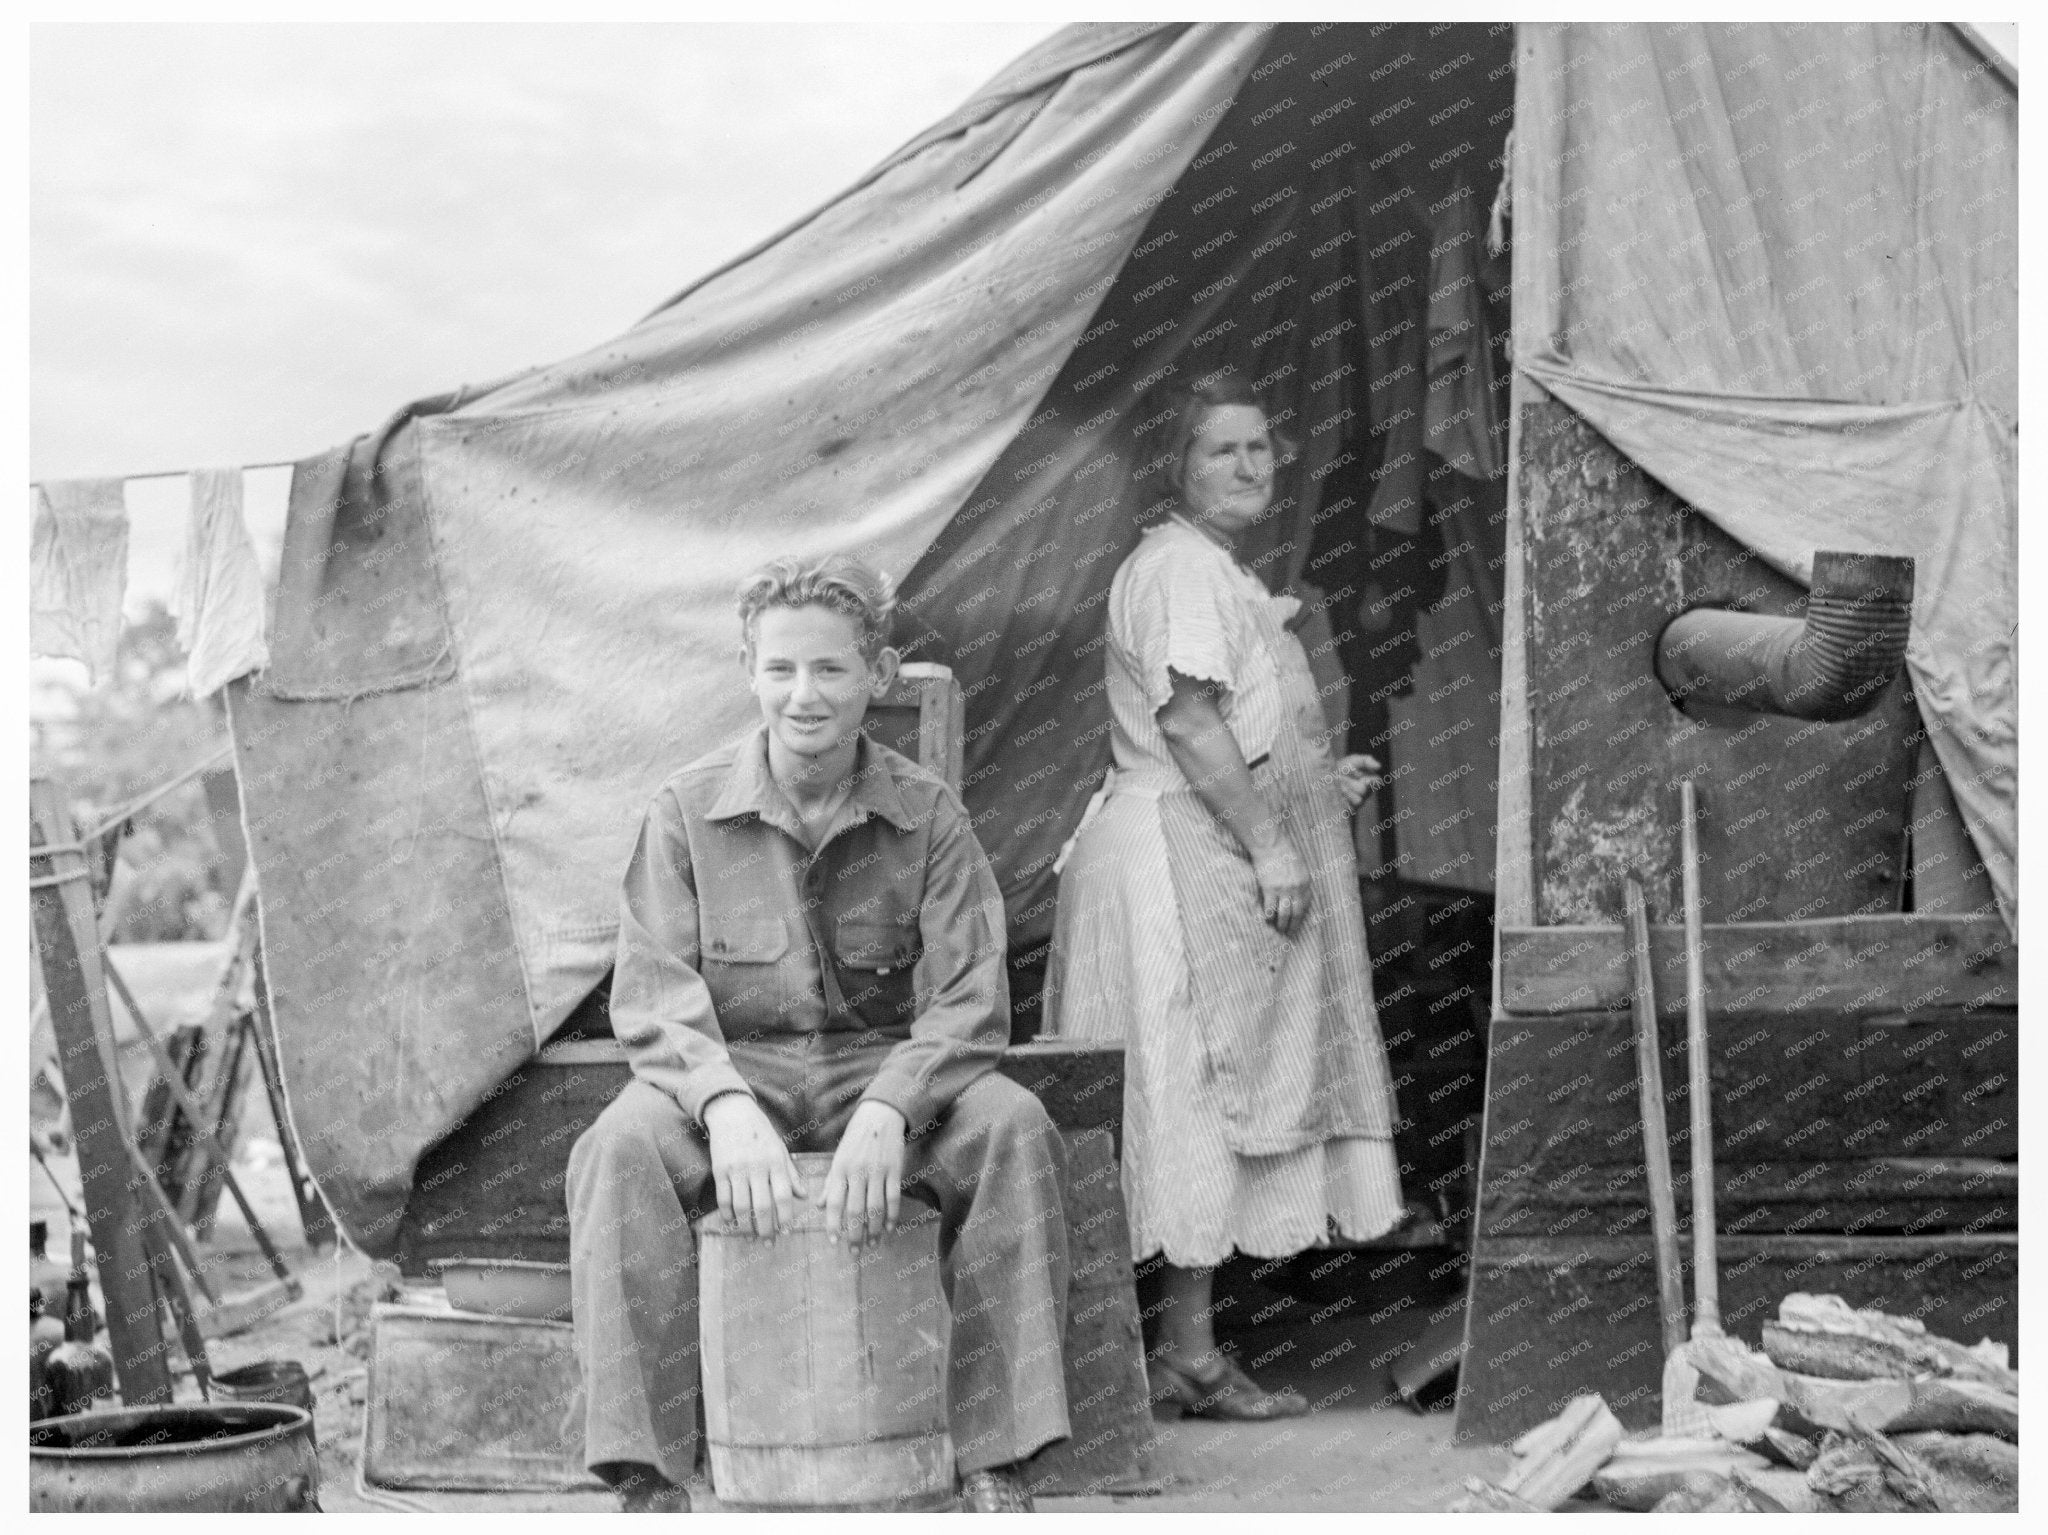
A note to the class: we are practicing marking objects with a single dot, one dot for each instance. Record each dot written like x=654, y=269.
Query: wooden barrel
x=824, y=1364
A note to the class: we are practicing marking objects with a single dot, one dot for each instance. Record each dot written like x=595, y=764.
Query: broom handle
x=1656, y=1143
x=1706, y=1272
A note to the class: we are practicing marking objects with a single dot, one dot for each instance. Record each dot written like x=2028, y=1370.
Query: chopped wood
x=1787, y=1448
x=1743, y=1422
x=1901, y=1406
x=1824, y=1335
x=1849, y=1474
x=1641, y=1472
x=1705, y=1493
x=1900, y=1472
x=1732, y=1370
x=1565, y=1461
x=1551, y=1432
x=1967, y=1473
x=1776, y=1490
x=1482, y=1497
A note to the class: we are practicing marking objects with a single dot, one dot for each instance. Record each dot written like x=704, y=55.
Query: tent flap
x=1801, y=321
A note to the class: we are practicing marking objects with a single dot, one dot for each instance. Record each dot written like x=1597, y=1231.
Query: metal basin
x=507, y=1287
x=218, y=1457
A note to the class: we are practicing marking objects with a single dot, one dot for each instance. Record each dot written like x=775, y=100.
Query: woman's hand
x=863, y=1192
x=757, y=1182
x=1357, y=776
x=1283, y=883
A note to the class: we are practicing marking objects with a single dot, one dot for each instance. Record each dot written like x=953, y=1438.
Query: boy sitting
x=811, y=957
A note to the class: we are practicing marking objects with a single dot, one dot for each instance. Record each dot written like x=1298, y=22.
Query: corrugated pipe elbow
x=1833, y=665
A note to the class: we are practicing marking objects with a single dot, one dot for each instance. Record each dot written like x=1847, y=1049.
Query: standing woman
x=1209, y=917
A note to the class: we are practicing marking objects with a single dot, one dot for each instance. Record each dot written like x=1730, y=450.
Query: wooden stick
x=1656, y=1140
x=1588, y=1434
x=1706, y=1270
x=313, y=1217
x=179, y=1239
x=197, y=1115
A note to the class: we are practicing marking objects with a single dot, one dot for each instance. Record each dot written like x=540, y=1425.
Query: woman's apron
x=1290, y=1034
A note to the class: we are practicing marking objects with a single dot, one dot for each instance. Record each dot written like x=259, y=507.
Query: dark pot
x=219, y=1457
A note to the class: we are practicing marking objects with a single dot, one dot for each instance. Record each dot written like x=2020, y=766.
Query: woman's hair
x=1174, y=415
x=839, y=582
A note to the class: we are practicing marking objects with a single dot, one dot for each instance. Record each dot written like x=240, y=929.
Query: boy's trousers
x=993, y=1165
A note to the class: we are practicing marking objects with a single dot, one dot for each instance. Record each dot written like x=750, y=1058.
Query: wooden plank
x=1902, y=967
x=1874, y=1196
x=1825, y=1089
x=1514, y=846
x=941, y=717
x=1108, y=1406
x=1551, y=1317
x=67, y=940
x=237, y=1313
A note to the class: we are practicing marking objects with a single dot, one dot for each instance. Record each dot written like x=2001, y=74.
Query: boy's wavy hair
x=1167, y=424
x=839, y=582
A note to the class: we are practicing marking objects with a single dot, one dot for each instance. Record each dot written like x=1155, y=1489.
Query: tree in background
x=111, y=744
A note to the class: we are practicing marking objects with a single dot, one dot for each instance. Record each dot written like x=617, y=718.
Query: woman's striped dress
x=1257, y=1108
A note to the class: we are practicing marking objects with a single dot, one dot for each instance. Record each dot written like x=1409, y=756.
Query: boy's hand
x=863, y=1192
x=757, y=1183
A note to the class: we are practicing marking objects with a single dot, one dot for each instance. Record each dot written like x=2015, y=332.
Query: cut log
x=1966, y=1473
x=1824, y=1335
x=1901, y=1406
x=1565, y=1461
x=1642, y=1472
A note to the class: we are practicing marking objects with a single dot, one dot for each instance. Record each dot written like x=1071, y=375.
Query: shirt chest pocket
x=878, y=961
x=742, y=961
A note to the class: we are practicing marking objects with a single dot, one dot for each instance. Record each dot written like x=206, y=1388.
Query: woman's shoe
x=1224, y=1391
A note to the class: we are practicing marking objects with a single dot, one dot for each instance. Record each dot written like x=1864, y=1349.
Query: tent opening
x=1329, y=237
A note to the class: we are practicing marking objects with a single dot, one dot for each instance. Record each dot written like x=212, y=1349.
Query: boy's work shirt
x=731, y=928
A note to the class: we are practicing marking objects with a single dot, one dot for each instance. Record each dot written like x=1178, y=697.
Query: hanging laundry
x=219, y=600
x=1461, y=412
x=78, y=567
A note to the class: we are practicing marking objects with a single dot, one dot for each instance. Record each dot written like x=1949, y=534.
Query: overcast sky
x=251, y=242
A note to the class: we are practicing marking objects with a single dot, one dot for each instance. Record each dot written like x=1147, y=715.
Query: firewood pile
x=1843, y=1411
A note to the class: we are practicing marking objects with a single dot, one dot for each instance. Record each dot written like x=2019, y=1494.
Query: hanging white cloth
x=78, y=566
x=219, y=599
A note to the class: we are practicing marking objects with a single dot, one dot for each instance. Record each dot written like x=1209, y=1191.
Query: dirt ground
x=1328, y=1328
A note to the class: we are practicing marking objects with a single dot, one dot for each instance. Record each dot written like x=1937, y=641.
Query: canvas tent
x=505, y=616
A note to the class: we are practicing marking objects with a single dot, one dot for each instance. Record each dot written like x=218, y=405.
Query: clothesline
x=166, y=474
